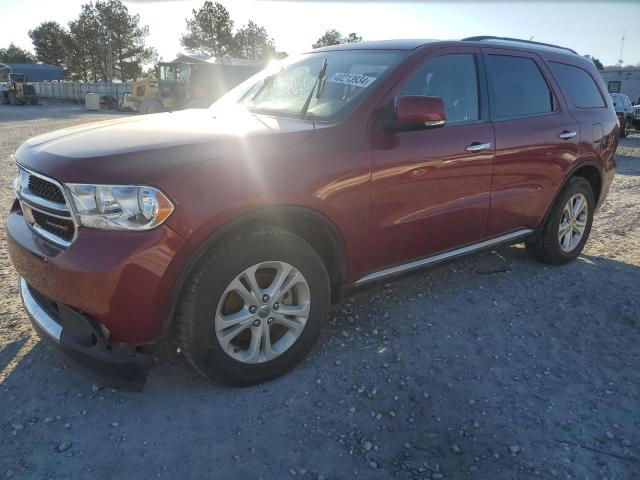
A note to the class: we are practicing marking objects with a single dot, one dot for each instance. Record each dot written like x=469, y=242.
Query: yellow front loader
x=181, y=85
x=17, y=91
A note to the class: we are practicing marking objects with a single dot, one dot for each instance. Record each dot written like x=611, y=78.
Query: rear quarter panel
x=599, y=128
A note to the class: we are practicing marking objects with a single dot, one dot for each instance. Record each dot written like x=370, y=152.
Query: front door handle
x=566, y=135
x=477, y=146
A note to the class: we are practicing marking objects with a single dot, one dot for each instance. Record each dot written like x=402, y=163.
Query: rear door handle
x=566, y=135
x=477, y=146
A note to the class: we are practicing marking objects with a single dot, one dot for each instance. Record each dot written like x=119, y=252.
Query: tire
x=547, y=247
x=208, y=288
x=624, y=128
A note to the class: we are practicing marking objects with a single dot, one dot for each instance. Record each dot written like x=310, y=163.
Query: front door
x=431, y=188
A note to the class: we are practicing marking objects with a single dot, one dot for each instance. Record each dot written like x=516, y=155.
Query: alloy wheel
x=262, y=312
x=573, y=222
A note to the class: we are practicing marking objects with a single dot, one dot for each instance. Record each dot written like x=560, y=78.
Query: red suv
x=239, y=224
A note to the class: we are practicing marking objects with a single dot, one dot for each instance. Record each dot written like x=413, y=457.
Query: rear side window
x=517, y=87
x=578, y=85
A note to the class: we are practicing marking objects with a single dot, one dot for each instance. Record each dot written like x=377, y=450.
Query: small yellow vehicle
x=16, y=90
x=192, y=84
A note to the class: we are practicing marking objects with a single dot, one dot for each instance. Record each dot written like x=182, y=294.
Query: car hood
x=116, y=150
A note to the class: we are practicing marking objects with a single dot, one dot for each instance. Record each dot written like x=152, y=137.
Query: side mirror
x=418, y=113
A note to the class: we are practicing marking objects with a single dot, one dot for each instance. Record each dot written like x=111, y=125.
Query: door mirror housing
x=415, y=112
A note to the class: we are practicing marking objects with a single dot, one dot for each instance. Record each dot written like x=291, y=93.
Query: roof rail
x=518, y=40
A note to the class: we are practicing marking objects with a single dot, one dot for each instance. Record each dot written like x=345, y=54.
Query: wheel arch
x=588, y=170
x=591, y=174
x=311, y=225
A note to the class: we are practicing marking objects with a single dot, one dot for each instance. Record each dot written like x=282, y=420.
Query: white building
x=624, y=81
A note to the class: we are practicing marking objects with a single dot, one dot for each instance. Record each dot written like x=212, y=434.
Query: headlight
x=119, y=207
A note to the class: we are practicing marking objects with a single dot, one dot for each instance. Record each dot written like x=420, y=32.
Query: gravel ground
x=488, y=367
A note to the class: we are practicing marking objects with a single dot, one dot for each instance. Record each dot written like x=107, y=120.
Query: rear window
x=578, y=85
x=517, y=87
x=614, y=86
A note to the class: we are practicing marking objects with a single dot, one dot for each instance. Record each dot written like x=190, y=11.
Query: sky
x=589, y=27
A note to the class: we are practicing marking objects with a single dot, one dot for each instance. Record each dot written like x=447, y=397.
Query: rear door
x=430, y=188
x=536, y=139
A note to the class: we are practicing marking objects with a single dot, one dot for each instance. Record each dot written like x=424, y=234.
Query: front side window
x=517, y=87
x=452, y=78
x=578, y=85
x=321, y=84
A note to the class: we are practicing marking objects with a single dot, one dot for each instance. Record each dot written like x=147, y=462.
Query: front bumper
x=121, y=280
x=80, y=338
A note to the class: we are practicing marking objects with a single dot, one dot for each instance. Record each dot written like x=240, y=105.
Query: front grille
x=44, y=189
x=45, y=208
x=57, y=226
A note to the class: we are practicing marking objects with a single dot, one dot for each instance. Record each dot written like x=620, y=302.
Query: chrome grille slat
x=46, y=210
x=44, y=205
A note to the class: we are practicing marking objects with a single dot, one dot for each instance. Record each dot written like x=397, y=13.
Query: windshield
x=309, y=85
x=175, y=72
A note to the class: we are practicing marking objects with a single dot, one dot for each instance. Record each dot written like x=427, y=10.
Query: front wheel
x=567, y=226
x=254, y=308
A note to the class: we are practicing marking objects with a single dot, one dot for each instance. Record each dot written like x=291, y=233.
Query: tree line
x=210, y=32
x=106, y=41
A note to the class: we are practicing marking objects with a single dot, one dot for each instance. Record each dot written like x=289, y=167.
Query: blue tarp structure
x=35, y=72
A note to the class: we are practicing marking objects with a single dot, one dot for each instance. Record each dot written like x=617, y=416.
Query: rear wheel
x=567, y=226
x=625, y=127
x=254, y=308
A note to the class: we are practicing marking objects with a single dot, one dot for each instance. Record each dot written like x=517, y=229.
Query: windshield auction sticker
x=350, y=79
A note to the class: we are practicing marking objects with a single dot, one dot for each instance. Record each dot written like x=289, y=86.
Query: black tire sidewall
x=624, y=128
x=574, y=186
x=206, y=352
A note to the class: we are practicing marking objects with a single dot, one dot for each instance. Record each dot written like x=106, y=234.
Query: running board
x=458, y=252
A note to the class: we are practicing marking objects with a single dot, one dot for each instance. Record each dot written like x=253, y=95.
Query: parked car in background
x=238, y=225
x=636, y=116
x=624, y=112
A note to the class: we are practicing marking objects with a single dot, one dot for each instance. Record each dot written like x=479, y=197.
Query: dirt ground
x=488, y=367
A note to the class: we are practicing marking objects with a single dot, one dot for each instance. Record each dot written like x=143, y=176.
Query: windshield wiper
x=318, y=83
x=267, y=81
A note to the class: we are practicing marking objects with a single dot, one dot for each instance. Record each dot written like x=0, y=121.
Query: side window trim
x=482, y=89
x=544, y=72
x=595, y=82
